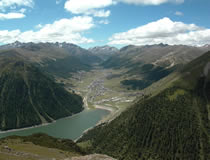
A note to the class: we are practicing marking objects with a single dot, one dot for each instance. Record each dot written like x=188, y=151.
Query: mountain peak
x=105, y=47
x=104, y=52
x=206, y=46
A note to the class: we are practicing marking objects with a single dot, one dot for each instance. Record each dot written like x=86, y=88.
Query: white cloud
x=11, y=16
x=14, y=3
x=6, y=36
x=149, y=2
x=82, y=6
x=103, y=21
x=8, y=5
x=163, y=31
x=64, y=30
x=38, y=26
x=22, y=10
x=89, y=7
x=99, y=13
x=95, y=7
x=178, y=13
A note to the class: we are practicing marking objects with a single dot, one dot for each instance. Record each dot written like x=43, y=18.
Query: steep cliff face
x=104, y=52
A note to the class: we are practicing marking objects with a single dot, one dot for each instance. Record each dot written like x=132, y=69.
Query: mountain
x=205, y=47
x=29, y=97
x=159, y=55
x=171, y=124
x=16, y=44
x=145, y=65
x=104, y=52
x=84, y=55
x=59, y=59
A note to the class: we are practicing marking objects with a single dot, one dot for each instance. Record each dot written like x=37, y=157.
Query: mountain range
x=169, y=121
x=55, y=58
x=144, y=65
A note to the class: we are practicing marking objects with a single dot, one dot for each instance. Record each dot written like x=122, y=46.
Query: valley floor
x=101, y=88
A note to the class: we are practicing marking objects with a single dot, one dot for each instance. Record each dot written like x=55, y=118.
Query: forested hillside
x=173, y=124
x=28, y=97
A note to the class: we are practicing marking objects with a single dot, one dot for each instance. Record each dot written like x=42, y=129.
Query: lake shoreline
x=40, y=125
x=10, y=132
x=103, y=120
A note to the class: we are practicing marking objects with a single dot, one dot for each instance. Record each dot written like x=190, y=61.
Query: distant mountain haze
x=56, y=58
x=104, y=52
x=151, y=62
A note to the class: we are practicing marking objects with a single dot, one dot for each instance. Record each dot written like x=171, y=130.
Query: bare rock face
x=104, y=52
x=92, y=157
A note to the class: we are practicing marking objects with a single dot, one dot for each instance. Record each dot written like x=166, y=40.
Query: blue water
x=70, y=128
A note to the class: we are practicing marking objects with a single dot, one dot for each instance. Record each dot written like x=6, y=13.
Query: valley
x=104, y=80
x=136, y=102
x=101, y=88
x=104, y=98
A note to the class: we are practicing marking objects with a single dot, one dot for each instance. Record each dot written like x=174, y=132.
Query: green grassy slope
x=173, y=124
x=147, y=64
x=29, y=97
x=43, y=147
x=36, y=147
x=44, y=140
x=64, y=67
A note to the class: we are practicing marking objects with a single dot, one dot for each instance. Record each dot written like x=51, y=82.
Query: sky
x=90, y=23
